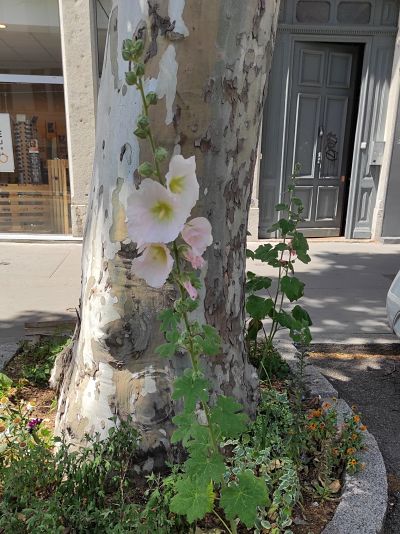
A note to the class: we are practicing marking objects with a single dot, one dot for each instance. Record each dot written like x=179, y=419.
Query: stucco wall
x=80, y=86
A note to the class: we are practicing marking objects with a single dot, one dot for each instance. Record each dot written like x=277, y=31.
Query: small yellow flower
x=2, y=428
x=353, y=461
x=363, y=428
x=3, y=400
x=322, y=426
x=350, y=451
x=312, y=426
x=17, y=420
x=326, y=405
x=354, y=437
x=356, y=419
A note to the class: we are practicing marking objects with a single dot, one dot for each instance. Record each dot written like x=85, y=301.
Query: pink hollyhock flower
x=197, y=262
x=197, y=234
x=181, y=179
x=192, y=291
x=154, y=215
x=154, y=264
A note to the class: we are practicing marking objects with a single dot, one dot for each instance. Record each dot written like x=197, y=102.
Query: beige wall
x=80, y=85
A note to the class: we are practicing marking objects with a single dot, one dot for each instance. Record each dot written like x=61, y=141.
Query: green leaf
x=257, y=283
x=167, y=350
x=146, y=169
x=253, y=328
x=211, y=341
x=249, y=254
x=300, y=245
x=161, y=153
x=243, y=499
x=205, y=468
x=227, y=414
x=292, y=287
x=284, y=225
x=301, y=315
x=267, y=254
x=281, y=207
x=192, y=499
x=191, y=388
x=186, y=423
x=258, y=307
x=169, y=320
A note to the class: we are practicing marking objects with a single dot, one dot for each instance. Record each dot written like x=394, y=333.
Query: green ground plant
x=266, y=300
x=39, y=358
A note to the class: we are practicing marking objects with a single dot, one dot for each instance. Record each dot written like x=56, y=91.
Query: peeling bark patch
x=167, y=80
x=159, y=25
x=175, y=12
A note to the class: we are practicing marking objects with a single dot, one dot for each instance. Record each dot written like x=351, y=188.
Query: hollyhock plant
x=155, y=215
x=181, y=179
x=197, y=234
x=154, y=264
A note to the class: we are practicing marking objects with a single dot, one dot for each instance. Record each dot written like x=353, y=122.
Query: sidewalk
x=345, y=291
x=39, y=282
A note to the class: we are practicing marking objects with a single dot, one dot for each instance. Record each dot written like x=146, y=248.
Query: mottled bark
x=208, y=62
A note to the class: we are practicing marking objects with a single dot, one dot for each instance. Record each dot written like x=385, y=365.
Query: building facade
x=332, y=107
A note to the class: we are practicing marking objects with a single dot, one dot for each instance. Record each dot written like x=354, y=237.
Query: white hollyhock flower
x=197, y=234
x=154, y=264
x=154, y=215
x=181, y=179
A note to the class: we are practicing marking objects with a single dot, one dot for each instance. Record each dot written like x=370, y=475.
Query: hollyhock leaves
x=192, y=388
x=227, y=414
x=292, y=287
x=205, y=467
x=242, y=499
x=192, y=499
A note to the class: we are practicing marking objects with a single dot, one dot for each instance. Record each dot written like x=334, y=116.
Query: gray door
x=320, y=134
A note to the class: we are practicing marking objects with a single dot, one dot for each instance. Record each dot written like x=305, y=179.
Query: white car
x=393, y=305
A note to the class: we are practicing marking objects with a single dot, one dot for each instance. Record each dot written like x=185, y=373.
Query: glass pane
x=354, y=12
x=312, y=11
x=34, y=182
x=30, y=43
x=103, y=10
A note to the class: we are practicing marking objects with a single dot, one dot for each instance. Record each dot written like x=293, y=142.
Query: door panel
x=322, y=101
x=307, y=113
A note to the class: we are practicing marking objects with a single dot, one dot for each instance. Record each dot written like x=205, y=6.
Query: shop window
x=34, y=183
x=354, y=12
x=313, y=12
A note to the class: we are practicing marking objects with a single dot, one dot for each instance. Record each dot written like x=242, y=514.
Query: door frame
x=367, y=116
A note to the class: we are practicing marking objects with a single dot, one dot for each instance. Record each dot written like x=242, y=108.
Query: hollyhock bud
x=192, y=291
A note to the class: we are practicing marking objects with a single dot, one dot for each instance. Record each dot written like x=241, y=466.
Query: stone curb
x=7, y=351
x=364, y=499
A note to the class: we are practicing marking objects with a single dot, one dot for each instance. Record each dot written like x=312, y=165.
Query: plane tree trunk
x=208, y=61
